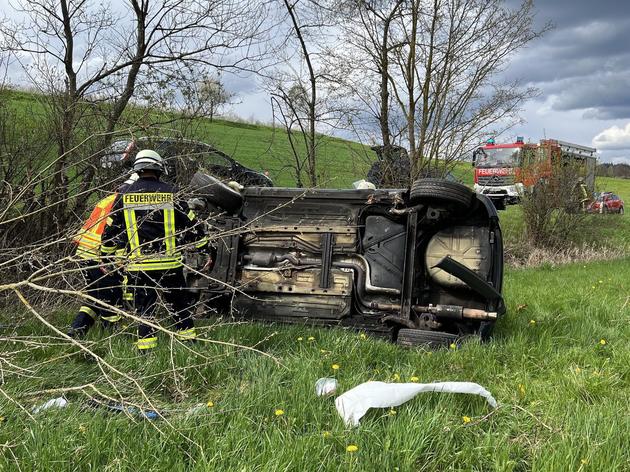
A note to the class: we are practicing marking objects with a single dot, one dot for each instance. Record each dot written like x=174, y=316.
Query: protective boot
x=81, y=324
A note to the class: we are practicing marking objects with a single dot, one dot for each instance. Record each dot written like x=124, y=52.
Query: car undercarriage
x=419, y=266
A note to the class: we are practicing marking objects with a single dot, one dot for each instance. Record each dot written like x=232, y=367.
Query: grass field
x=558, y=364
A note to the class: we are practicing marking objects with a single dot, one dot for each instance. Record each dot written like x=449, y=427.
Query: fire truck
x=503, y=172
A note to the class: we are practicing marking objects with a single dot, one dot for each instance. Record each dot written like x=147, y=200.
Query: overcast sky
x=582, y=68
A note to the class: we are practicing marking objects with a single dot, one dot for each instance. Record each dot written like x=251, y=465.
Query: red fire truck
x=504, y=171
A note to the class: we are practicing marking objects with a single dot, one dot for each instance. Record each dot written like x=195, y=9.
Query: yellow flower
x=521, y=389
x=578, y=370
x=583, y=461
x=466, y=419
x=326, y=434
x=352, y=448
x=279, y=412
x=396, y=377
x=414, y=379
x=593, y=287
x=311, y=338
x=1, y=419
x=82, y=428
x=453, y=346
x=300, y=338
x=335, y=366
x=210, y=404
x=532, y=322
x=391, y=412
x=362, y=336
x=602, y=342
x=601, y=281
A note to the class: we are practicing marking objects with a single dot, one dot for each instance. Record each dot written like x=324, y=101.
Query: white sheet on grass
x=354, y=403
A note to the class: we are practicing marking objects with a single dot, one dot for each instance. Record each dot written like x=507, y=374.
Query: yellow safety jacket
x=88, y=240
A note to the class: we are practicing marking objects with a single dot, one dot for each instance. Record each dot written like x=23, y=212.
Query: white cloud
x=614, y=137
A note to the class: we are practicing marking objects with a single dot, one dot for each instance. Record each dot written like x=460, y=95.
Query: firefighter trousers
x=170, y=286
x=105, y=287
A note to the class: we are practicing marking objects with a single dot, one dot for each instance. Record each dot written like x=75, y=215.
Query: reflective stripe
x=201, y=243
x=169, y=231
x=108, y=249
x=112, y=319
x=87, y=310
x=127, y=295
x=186, y=334
x=146, y=343
x=158, y=264
x=132, y=233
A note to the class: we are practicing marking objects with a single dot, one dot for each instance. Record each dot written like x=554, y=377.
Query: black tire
x=216, y=192
x=440, y=190
x=419, y=337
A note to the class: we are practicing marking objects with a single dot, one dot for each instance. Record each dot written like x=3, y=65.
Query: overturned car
x=421, y=266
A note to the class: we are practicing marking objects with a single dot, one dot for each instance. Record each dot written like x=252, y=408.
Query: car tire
x=419, y=337
x=216, y=192
x=441, y=190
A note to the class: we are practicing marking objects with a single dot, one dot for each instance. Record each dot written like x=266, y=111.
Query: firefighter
x=104, y=286
x=152, y=226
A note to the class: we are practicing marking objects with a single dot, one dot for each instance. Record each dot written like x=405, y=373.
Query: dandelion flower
x=601, y=281
x=414, y=379
x=593, y=287
x=532, y=322
x=583, y=461
x=602, y=342
x=352, y=448
x=391, y=412
x=326, y=434
x=466, y=419
x=521, y=389
x=362, y=336
x=396, y=377
x=279, y=412
x=210, y=404
x=300, y=338
x=311, y=338
x=335, y=366
x=82, y=428
x=453, y=346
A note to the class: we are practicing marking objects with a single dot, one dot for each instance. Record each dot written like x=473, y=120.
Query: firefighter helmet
x=148, y=159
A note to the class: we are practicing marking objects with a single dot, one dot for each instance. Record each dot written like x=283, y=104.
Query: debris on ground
x=354, y=404
x=325, y=386
x=59, y=402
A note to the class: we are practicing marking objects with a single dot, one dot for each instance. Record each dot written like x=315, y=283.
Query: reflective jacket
x=88, y=240
x=151, y=225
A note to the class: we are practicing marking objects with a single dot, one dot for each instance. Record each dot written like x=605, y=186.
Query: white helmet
x=148, y=159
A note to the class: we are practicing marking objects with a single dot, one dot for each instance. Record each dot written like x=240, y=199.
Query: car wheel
x=216, y=192
x=419, y=337
x=621, y=210
x=442, y=190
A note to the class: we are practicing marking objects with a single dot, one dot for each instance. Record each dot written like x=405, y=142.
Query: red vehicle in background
x=504, y=171
x=607, y=202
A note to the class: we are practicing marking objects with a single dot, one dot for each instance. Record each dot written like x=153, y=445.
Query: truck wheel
x=440, y=190
x=419, y=337
x=216, y=192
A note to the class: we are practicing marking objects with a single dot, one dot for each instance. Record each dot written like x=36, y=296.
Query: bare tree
x=90, y=60
x=429, y=71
